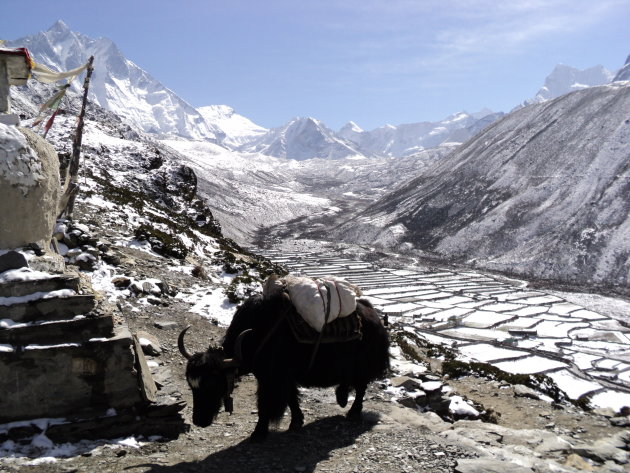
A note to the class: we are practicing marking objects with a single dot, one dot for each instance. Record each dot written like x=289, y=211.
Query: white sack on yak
x=310, y=297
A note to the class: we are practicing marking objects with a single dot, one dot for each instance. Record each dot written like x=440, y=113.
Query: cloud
x=406, y=37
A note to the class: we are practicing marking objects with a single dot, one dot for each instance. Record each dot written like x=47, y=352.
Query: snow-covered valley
x=428, y=218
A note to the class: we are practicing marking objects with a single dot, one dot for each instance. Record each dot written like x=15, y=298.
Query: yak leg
x=265, y=403
x=297, y=418
x=354, y=414
x=342, y=395
x=262, y=428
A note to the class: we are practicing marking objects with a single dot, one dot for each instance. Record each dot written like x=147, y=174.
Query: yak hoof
x=354, y=416
x=342, y=395
x=296, y=425
x=258, y=437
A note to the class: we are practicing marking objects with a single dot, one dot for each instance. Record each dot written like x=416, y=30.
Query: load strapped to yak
x=325, y=308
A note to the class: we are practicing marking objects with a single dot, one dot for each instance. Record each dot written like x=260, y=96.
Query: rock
x=620, y=421
x=408, y=401
x=430, y=377
x=84, y=229
x=166, y=288
x=60, y=230
x=111, y=258
x=523, y=391
x=440, y=405
x=166, y=325
x=577, y=462
x=91, y=250
x=421, y=398
x=409, y=384
x=85, y=261
x=121, y=281
x=432, y=388
x=149, y=343
x=155, y=301
x=150, y=287
x=611, y=467
x=12, y=260
x=603, y=450
x=488, y=465
x=552, y=443
x=136, y=287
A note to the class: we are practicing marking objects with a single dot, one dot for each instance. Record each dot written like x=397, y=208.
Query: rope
x=319, y=339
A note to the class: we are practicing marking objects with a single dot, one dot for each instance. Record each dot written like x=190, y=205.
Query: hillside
x=543, y=193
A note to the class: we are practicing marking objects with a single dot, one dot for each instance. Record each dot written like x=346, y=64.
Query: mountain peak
x=564, y=79
x=351, y=127
x=59, y=27
x=119, y=85
x=624, y=72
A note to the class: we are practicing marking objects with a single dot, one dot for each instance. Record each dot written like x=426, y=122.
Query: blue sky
x=373, y=62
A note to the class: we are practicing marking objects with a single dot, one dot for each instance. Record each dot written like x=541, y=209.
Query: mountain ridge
x=540, y=193
x=118, y=84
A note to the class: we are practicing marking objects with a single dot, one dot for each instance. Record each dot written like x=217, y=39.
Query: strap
x=319, y=339
x=228, y=402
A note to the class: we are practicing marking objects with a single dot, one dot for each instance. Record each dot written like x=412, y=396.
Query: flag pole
x=73, y=186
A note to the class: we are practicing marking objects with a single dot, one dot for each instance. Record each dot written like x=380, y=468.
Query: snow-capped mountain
x=303, y=138
x=624, y=72
x=564, y=79
x=237, y=129
x=118, y=84
x=407, y=139
x=542, y=192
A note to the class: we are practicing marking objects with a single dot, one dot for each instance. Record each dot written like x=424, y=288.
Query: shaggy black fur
x=280, y=364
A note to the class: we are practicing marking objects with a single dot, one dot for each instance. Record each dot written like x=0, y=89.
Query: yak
x=259, y=340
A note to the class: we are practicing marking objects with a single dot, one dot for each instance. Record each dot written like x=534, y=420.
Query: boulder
x=29, y=188
x=521, y=390
x=12, y=260
x=409, y=384
x=149, y=343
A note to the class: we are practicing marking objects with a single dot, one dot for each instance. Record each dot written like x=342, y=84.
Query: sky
x=374, y=62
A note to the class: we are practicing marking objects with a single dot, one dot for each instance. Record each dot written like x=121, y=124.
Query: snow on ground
x=41, y=450
x=530, y=365
x=35, y=296
x=484, y=352
x=210, y=303
x=613, y=399
x=23, y=274
x=573, y=386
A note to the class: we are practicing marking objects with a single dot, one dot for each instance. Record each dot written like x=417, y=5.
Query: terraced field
x=493, y=320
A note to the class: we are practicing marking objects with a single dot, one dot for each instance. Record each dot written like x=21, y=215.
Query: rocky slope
x=541, y=193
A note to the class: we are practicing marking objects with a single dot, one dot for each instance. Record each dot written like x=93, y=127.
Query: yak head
x=211, y=378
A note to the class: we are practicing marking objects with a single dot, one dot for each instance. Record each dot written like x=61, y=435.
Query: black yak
x=260, y=341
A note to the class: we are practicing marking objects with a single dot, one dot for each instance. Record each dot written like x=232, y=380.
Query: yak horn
x=180, y=344
x=238, y=346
